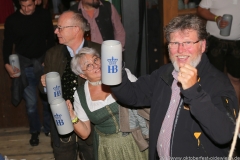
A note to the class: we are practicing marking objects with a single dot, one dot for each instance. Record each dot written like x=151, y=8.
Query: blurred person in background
x=30, y=30
x=103, y=18
x=223, y=51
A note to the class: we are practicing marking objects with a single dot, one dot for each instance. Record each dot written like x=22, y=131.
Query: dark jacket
x=56, y=61
x=103, y=20
x=207, y=109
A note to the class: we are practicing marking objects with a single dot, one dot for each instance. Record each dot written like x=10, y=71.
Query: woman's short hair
x=75, y=63
x=183, y=22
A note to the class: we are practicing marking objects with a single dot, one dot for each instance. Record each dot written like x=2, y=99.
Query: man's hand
x=221, y=23
x=43, y=80
x=187, y=76
x=12, y=71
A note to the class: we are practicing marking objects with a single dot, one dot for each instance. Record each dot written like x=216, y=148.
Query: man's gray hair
x=75, y=63
x=79, y=20
x=184, y=22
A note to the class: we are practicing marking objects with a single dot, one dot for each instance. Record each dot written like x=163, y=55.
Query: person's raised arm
x=81, y=128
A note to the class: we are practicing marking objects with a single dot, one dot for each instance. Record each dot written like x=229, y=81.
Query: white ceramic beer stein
x=61, y=116
x=53, y=85
x=227, y=30
x=111, y=62
x=14, y=62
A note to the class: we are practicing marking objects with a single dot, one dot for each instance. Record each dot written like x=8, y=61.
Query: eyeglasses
x=96, y=61
x=186, y=45
x=60, y=28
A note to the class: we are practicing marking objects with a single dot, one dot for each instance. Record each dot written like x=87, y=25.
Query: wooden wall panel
x=169, y=10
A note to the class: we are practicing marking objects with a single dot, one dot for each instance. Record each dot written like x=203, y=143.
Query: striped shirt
x=163, y=143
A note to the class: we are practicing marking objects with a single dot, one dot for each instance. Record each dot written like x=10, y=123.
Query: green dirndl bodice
x=109, y=142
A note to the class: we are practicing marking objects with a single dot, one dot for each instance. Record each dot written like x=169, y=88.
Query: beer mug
x=111, y=62
x=61, y=116
x=14, y=62
x=227, y=30
x=53, y=85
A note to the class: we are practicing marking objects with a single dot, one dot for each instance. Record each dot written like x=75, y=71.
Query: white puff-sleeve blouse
x=94, y=105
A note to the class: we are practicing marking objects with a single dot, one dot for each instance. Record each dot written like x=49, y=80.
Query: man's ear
x=79, y=31
x=83, y=76
x=204, y=45
x=76, y=29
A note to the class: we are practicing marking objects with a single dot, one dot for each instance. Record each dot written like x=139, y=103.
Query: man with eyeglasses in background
x=70, y=32
x=30, y=31
x=193, y=105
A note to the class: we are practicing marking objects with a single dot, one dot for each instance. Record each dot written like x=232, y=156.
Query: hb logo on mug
x=57, y=91
x=112, y=67
x=59, y=121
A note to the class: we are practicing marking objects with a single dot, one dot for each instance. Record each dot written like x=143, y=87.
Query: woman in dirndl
x=94, y=103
